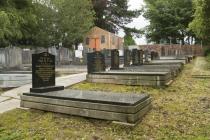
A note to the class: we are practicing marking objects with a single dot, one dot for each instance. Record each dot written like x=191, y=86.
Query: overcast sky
x=137, y=22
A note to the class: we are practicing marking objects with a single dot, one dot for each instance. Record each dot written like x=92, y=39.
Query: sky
x=139, y=22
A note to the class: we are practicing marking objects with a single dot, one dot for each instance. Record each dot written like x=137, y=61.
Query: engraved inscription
x=43, y=70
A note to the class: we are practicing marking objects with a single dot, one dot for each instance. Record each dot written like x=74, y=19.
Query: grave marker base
x=126, y=109
x=46, y=89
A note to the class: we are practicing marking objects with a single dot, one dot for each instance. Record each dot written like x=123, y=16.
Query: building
x=99, y=39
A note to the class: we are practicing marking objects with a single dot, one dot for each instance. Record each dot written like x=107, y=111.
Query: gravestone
x=135, y=57
x=146, y=56
x=141, y=60
x=96, y=62
x=43, y=73
x=115, y=59
x=154, y=55
x=127, y=58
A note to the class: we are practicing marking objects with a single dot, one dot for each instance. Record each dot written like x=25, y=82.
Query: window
x=103, y=40
x=87, y=41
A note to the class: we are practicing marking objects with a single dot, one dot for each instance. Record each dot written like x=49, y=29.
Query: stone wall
x=10, y=57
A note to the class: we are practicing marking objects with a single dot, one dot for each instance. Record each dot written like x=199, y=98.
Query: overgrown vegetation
x=201, y=22
x=181, y=111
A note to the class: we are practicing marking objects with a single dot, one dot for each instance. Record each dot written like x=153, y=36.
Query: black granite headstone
x=127, y=58
x=43, y=73
x=115, y=59
x=96, y=62
x=135, y=57
x=141, y=60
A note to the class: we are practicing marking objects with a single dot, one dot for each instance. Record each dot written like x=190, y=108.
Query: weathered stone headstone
x=154, y=55
x=146, y=56
x=127, y=58
x=135, y=57
x=115, y=59
x=96, y=62
x=141, y=53
x=43, y=73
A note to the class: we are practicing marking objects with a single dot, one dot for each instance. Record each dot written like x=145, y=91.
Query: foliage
x=75, y=18
x=113, y=15
x=16, y=21
x=206, y=51
x=128, y=40
x=44, y=23
x=63, y=21
x=201, y=23
x=169, y=21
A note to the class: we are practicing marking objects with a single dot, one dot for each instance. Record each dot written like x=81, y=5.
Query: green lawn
x=181, y=111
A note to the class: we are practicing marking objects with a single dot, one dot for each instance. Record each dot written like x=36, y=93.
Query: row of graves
x=126, y=109
x=141, y=68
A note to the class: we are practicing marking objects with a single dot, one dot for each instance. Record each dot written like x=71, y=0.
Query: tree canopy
x=169, y=20
x=201, y=23
x=16, y=21
x=44, y=23
x=113, y=15
x=128, y=40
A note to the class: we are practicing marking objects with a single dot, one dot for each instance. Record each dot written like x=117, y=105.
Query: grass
x=181, y=111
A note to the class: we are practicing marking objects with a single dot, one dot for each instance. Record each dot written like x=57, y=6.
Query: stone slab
x=135, y=80
x=93, y=96
x=152, y=76
x=88, y=105
x=130, y=73
x=131, y=82
x=128, y=108
x=15, y=77
x=168, y=61
x=46, y=89
x=97, y=114
x=14, y=80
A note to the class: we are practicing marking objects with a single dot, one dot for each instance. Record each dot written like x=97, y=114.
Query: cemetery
x=124, y=109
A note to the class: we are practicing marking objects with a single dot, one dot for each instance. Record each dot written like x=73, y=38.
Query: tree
x=113, y=15
x=63, y=21
x=129, y=40
x=169, y=20
x=15, y=17
x=201, y=23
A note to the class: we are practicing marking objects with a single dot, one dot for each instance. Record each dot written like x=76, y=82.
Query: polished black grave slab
x=128, y=108
x=93, y=96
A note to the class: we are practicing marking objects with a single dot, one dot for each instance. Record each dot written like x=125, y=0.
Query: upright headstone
x=154, y=55
x=43, y=73
x=141, y=60
x=146, y=56
x=115, y=59
x=127, y=58
x=96, y=62
x=135, y=57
